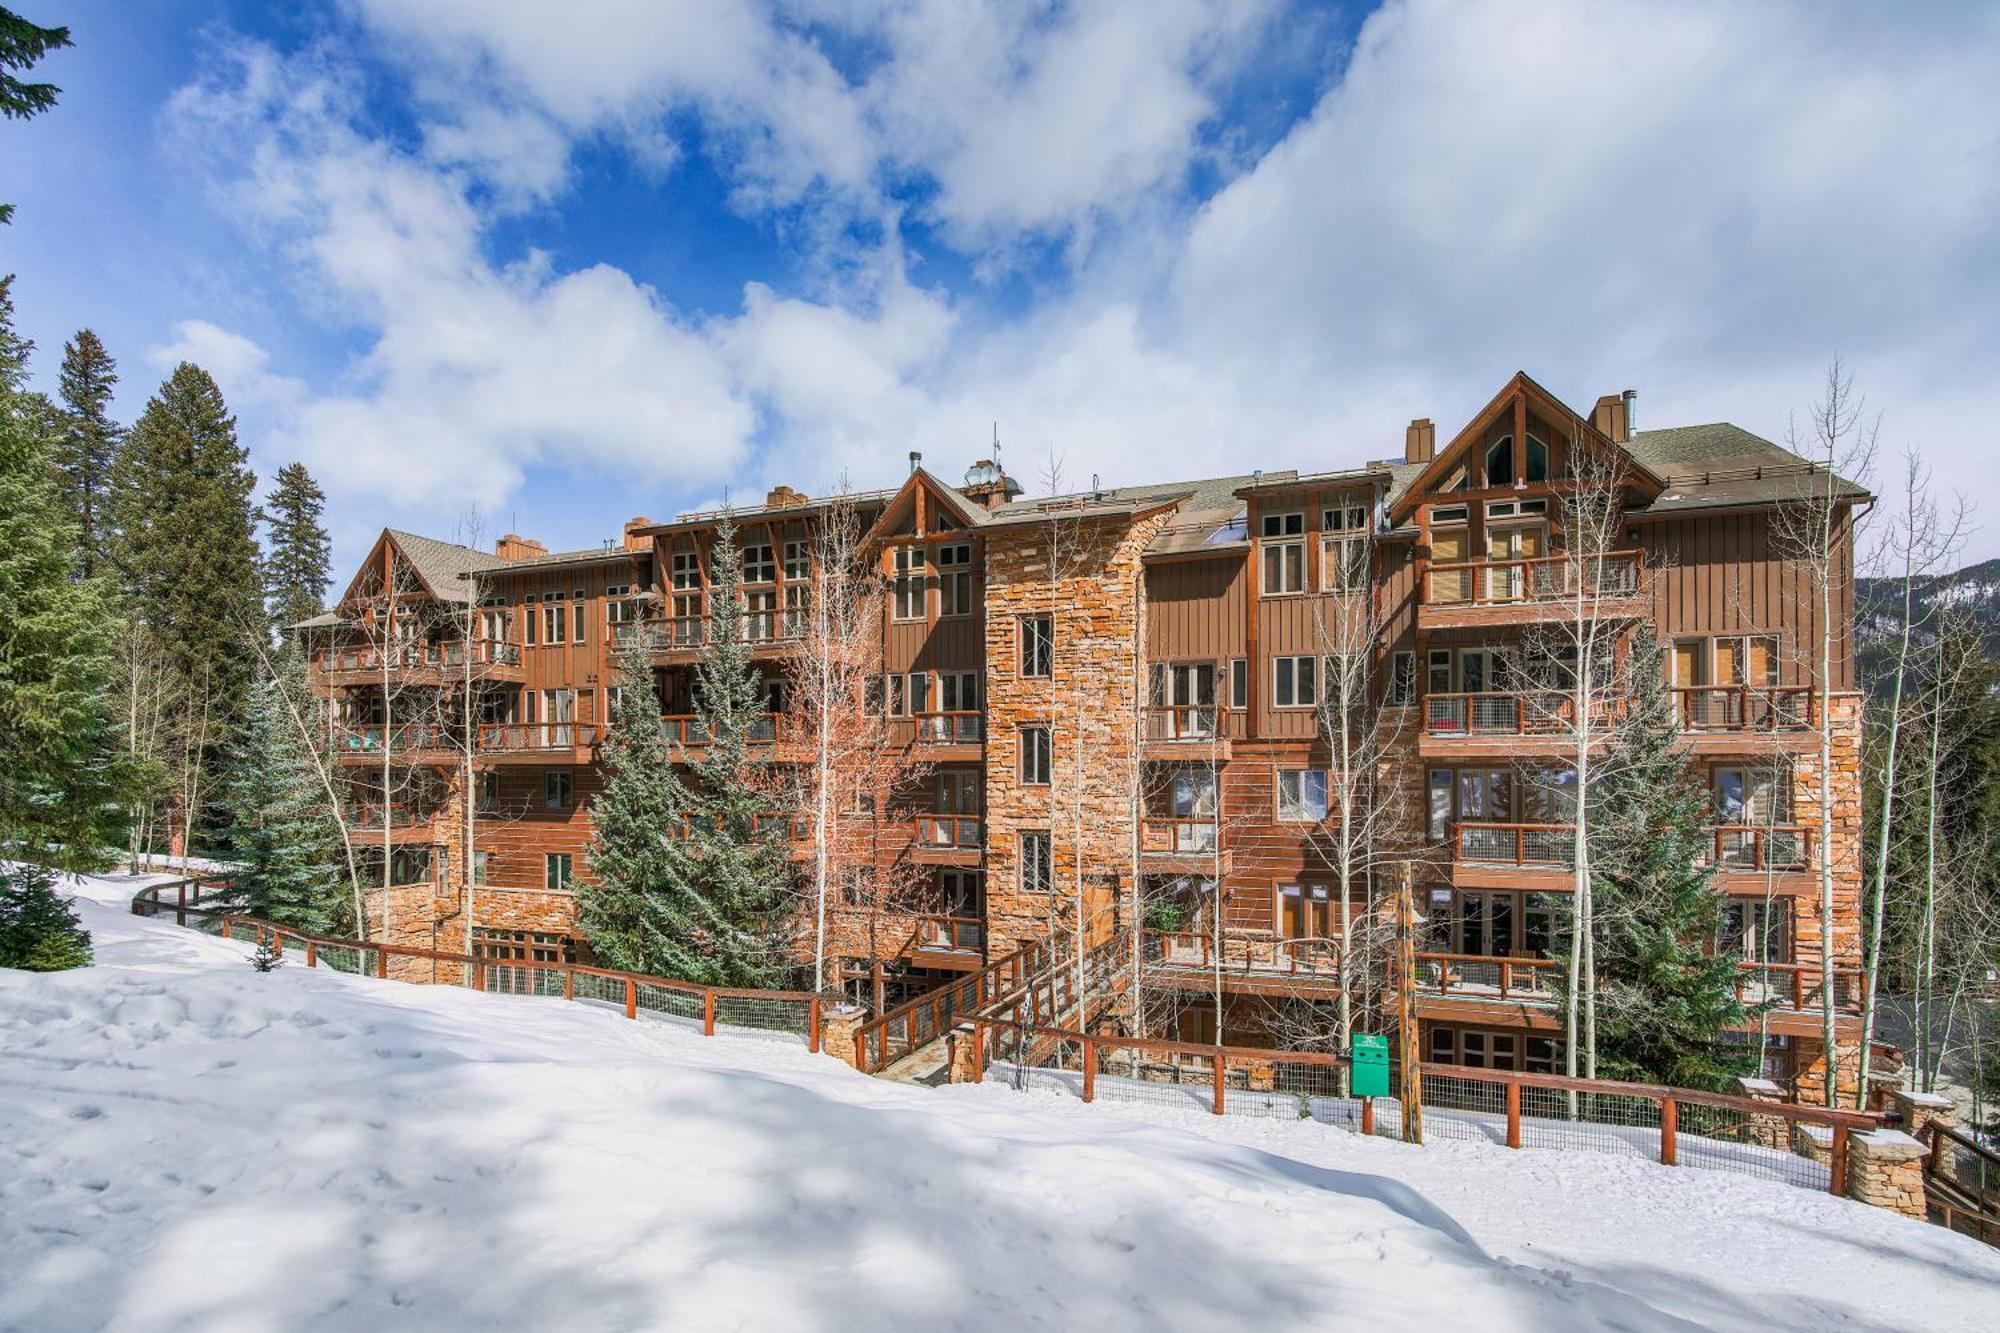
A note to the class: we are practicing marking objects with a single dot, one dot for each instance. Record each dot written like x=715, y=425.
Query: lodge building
x=1120, y=696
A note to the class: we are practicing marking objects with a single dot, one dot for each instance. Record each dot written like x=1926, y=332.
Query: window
x=1036, y=750
x=1294, y=682
x=1343, y=563
x=955, y=580
x=1301, y=795
x=959, y=890
x=798, y=562
x=1538, y=460
x=758, y=567
x=687, y=571
x=480, y=861
x=489, y=792
x=1344, y=518
x=557, y=871
x=909, y=583
x=613, y=696
x=1500, y=462
x=1284, y=555
x=1403, y=679
x=556, y=789
x=519, y=945
x=576, y=616
x=760, y=615
x=554, y=620
x=1038, y=645
x=619, y=610
x=1446, y=515
x=529, y=617
x=898, y=695
x=959, y=691
x=1305, y=912
x=1757, y=930
x=1239, y=682
x=1037, y=862
x=919, y=692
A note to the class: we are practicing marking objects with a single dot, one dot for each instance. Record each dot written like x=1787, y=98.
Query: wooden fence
x=797, y=1012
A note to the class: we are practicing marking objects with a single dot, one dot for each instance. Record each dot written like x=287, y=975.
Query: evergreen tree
x=282, y=836
x=22, y=44
x=14, y=349
x=740, y=870
x=64, y=780
x=187, y=553
x=1666, y=992
x=90, y=440
x=298, y=570
x=642, y=911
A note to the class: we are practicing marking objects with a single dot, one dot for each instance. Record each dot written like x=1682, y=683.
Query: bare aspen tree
x=313, y=737
x=1813, y=531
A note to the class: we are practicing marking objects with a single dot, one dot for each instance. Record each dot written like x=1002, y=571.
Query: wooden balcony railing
x=1477, y=976
x=372, y=738
x=790, y=828
x=1745, y=707
x=1175, y=836
x=368, y=815
x=1182, y=722
x=1244, y=954
x=1797, y=987
x=758, y=627
x=686, y=729
x=450, y=653
x=963, y=726
x=1498, y=713
x=950, y=934
x=523, y=737
x=1543, y=579
x=1531, y=846
x=1762, y=847
x=949, y=832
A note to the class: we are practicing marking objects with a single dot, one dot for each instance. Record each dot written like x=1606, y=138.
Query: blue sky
x=489, y=267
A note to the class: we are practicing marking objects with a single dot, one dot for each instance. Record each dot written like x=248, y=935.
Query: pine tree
x=1666, y=992
x=282, y=836
x=298, y=570
x=14, y=349
x=39, y=931
x=186, y=553
x=22, y=44
x=641, y=911
x=739, y=868
x=90, y=440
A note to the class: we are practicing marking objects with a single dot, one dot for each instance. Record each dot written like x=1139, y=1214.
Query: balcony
x=1183, y=732
x=1173, y=844
x=1256, y=964
x=942, y=735
x=1790, y=997
x=689, y=732
x=408, y=823
x=1478, y=593
x=1479, y=977
x=952, y=943
x=1750, y=858
x=537, y=742
x=1522, y=856
x=407, y=742
x=1505, y=724
x=947, y=840
x=1734, y=719
x=685, y=636
x=421, y=663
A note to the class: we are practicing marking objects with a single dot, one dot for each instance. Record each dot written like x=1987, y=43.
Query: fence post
x=812, y=1026
x=861, y=1049
x=1838, y=1185
x=1089, y=1070
x=225, y=928
x=631, y=998
x=569, y=982
x=1669, y=1115
x=1221, y=1068
x=708, y=1012
x=1513, y=1115
x=277, y=942
x=1367, y=1117
x=382, y=961
x=312, y=953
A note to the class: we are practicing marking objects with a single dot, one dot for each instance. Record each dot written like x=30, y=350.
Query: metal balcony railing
x=949, y=832
x=1745, y=707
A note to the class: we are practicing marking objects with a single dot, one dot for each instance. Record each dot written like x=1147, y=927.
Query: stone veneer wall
x=1089, y=701
x=1846, y=857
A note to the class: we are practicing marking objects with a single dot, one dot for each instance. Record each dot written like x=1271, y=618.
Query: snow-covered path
x=185, y=1143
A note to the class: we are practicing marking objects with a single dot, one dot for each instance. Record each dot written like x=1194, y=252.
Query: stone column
x=962, y=1054
x=1767, y=1131
x=1885, y=1169
x=837, y=1026
x=1920, y=1110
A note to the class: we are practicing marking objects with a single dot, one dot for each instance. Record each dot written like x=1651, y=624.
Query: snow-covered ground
x=185, y=1143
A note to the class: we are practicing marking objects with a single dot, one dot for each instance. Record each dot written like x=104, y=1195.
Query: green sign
x=1370, y=1054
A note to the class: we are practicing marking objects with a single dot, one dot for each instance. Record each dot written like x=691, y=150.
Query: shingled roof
x=1718, y=465
x=441, y=564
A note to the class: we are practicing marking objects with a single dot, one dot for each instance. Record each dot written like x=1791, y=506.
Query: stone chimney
x=783, y=497
x=1420, y=441
x=988, y=485
x=512, y=547
x=634, y=540
x=1613, y=416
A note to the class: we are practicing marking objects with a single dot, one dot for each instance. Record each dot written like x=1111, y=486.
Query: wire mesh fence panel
x=1590, y=1122
x=1281, y=1091
x=506, y=979
x=668, y=1000
x=594, y=989
x=1464, y=1108
x=761, y=1015
x=1181, y=1081
x=1724, y=1138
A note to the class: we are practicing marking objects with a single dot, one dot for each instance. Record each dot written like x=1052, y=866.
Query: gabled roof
x=1540, y=400
x=439, y=566
x=903, y=503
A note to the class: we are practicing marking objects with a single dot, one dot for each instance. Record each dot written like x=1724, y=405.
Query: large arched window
x=1500, y=462
x=1538, y=460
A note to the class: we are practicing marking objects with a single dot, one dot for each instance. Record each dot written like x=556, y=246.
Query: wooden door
x=1450, y=546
